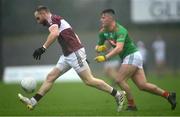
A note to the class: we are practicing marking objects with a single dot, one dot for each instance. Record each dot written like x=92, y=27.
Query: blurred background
x=146, y=21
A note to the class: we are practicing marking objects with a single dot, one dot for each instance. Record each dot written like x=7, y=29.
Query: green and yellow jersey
x=119, y=35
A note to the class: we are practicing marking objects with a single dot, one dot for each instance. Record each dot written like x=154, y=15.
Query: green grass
x=76, y=99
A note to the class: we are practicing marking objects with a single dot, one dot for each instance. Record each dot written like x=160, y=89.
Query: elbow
x=118, y=50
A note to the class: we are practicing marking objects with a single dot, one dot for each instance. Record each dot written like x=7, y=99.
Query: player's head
x=107, y=17
x=41, y=14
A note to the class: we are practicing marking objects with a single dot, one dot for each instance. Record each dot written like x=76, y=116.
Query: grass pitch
x=76, y=99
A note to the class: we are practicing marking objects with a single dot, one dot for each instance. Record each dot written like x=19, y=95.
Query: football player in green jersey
x=132, y=61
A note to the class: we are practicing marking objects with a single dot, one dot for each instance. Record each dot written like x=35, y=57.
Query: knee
x=120, y=80
x=142, y=87
x=89, y=82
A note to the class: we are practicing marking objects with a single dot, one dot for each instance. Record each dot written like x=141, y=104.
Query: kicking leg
x=48, y=83
x=61, y=67
x=45, y=87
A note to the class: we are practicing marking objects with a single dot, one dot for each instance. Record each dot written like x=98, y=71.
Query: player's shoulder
x=56, y=18
x=120, y=29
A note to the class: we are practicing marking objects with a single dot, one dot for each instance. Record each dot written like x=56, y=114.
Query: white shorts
x=76, y=60
x=134, y=59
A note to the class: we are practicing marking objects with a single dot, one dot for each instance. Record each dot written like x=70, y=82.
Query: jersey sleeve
x=102, y=39
x=56, y=20
x=121, y=35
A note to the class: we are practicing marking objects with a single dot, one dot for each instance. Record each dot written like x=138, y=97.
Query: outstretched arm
x=53, y=29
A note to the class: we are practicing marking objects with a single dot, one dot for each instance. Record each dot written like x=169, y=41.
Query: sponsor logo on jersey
x=105, y=34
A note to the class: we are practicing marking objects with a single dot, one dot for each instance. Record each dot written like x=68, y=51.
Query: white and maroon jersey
x=67, y=38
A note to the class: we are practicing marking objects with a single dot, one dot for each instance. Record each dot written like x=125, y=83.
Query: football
x=28, y=84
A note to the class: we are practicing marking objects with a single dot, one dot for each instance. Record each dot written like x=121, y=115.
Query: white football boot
x=30, y=103
x=120, y=98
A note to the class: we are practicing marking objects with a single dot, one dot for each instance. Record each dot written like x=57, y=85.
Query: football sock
x=114, y=92
x=165, y=94
x=37, y=97
x=131, y=102
x=33, y=101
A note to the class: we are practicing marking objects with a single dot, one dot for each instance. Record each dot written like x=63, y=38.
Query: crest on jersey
x=105, y=34
x=121, y=36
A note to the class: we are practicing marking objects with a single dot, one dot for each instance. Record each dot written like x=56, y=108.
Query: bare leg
x=48, y=83
x=111, y=72
x=139, y=79
x=45, y=87
x=124, y=73
x=90, y=80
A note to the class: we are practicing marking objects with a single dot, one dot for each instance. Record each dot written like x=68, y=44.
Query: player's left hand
x=38, y=52
x=100, y=58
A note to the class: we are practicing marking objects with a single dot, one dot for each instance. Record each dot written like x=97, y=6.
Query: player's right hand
x=100, y=58
x=101, y=48
x=38, y=52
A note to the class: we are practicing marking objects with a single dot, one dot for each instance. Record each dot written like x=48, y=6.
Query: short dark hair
x=109, y=11
x=42, y=8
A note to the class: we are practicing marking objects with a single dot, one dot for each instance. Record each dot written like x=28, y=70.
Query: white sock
x=33, y=101
x=117, y=94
